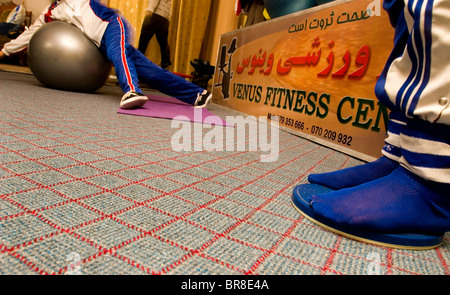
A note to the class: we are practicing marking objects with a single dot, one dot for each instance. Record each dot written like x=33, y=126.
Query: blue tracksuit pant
x=131, y=65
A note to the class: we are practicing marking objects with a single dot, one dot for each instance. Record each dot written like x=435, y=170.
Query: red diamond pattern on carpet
x=80, y=183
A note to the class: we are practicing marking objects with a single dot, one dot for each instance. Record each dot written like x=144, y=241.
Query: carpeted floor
x=86, y=190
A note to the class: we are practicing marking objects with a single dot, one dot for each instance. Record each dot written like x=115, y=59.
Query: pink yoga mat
x=166, y=107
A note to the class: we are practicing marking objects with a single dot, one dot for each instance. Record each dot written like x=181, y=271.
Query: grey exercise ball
x=62, y=57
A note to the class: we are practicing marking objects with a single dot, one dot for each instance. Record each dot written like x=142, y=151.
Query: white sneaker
x=202, y=99
x=133, y=99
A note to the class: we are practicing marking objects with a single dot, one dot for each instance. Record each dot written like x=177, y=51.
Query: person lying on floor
x=112, y=34
x=407, y=190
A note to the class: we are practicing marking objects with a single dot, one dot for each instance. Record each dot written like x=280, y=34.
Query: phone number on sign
x=315, y=130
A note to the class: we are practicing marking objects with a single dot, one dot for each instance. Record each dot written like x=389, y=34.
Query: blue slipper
x=412, y=241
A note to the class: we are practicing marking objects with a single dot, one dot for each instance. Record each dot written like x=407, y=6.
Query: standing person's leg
x=116, y=46
x=162, y=36
x=148, y=29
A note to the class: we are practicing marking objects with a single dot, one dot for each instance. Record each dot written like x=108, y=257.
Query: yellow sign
x=315, y=71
